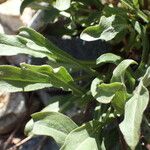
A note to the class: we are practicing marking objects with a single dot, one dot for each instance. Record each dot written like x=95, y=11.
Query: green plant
x=112, y=105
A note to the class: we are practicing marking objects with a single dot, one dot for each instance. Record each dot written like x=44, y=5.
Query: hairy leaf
x=108, y=58
x=119, y=72
x=84, y=137
x=56, y=105
x=30, y=77
x=134, y=109
x=33, y=43
x=52, y=124
x=106, y=92
x=107, y=29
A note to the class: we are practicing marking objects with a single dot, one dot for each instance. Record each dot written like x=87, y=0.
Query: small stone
x=10, y=17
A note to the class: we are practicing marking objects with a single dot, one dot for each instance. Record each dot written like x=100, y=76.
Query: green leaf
x=136, y=3
x=119, y=72
x=85, y=137
x=57, y=104
x=104, y=93
x=134, y=109
x=91, y=33
x=94, y=86
x=62, y=4
x=108, y=29
x=119, y=100
x=108, y=58
x=33, y=43
x=30, y=77
x=138, y=27
x=36, y=41
x=52, y=124
x=114, y=92
x=13, y=45
x=146, y=78
x=53, y=107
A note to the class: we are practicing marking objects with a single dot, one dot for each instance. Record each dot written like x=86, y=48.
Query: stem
x=140, y=14
x=146, y=47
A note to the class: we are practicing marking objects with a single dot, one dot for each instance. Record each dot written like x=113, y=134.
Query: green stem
x=146, y=47
x=140, y=14
x=145, y=54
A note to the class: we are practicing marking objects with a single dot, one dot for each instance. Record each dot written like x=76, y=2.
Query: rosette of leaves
x=112, y=105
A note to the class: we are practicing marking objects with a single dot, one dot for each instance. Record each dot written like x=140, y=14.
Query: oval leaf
x=91, y=33
x=108, y=29
x=30, y=77
x=119, y=72
x=104, y=93
x=108, y=58
x=52, y=124
x=84, y=137
x=62, y=4
x=134, y=109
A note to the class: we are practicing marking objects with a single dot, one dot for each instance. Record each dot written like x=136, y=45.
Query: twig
x=11, y=136
x=20, y=143
x=9, y=139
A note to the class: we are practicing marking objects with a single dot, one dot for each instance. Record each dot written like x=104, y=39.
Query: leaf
x=35, y=40
x=56, y=105
x=134, y=109
x=108, y=58
x=136, y=3
x=30, y=124
x=33, y=43
x=138, y=27
x=13, y=45
x=119, y=100
x=85, y=137
x=119, y=72
x=91, y=33
x=52, y=124
x=94, y=86
x=108, y=29
x=146, y=78
x=114, y=92
x=30, y=77
x=62, y=4
x=104, y=93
